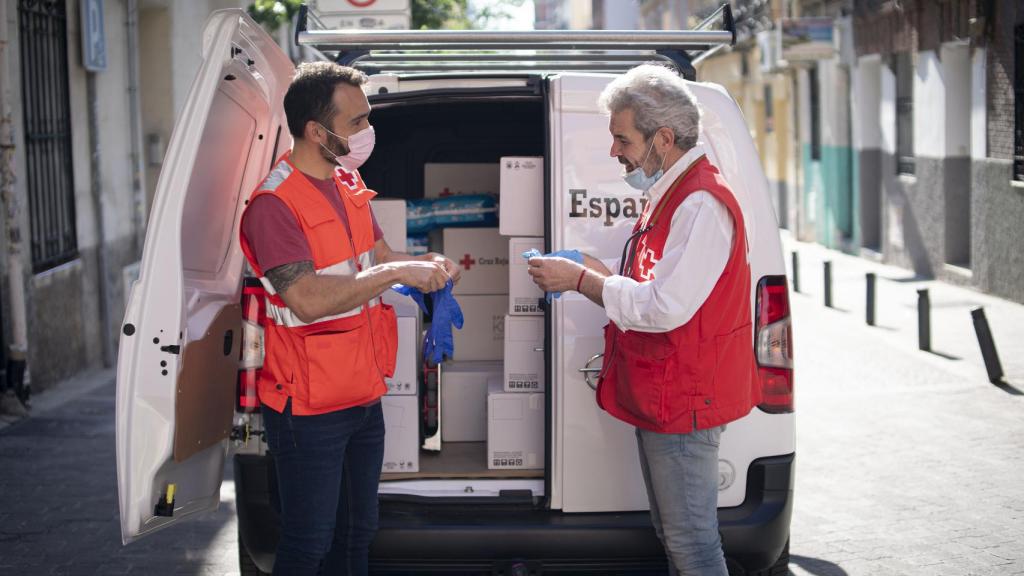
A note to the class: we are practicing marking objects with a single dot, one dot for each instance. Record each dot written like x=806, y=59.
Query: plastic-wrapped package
x=477, y=210
x=419, y=216
x=417, y=245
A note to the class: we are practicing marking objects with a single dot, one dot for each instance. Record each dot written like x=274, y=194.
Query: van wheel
x=780, y=568
x=246, y=567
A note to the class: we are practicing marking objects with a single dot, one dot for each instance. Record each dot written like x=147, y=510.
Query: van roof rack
x=537, y=51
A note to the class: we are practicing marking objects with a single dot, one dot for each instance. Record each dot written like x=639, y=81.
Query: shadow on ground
x=817, y=566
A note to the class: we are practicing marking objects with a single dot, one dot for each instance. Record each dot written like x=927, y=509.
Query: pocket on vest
x=342, y=371
x=733, y=356
x=642, y=364
x=385, y=338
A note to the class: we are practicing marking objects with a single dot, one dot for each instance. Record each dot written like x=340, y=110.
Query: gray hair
x=658, y=98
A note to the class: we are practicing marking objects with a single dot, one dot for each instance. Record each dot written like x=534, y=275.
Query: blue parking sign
x=94, y=42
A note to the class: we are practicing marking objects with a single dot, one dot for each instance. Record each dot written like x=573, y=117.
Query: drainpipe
x=96, y=189
x=17, y=367
x=137, y=167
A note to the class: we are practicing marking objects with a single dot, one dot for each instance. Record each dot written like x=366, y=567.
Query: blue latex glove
x=413, y=293
x=574, y=255
x=438, y=342
x=447, y=313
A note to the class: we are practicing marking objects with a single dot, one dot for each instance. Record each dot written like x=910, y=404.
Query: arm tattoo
x=282, y=277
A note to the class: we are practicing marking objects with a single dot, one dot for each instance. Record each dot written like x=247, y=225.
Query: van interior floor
x=458, y=460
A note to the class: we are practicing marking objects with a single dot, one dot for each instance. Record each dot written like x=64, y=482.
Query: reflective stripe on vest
x=279, y=313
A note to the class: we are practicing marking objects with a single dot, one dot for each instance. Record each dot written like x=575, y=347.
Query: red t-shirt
x=274, y=234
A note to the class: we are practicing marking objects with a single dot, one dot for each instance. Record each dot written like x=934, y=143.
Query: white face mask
x=360, y=146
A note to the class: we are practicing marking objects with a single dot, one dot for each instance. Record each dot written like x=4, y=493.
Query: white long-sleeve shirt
x=695, y=254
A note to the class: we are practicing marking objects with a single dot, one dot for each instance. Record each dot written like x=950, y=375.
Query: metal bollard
x=796, y=271
x=988, y=346
x=869, y=314
x=828, y=283
x=924, y=321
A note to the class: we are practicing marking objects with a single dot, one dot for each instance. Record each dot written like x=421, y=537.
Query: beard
x=335, y=147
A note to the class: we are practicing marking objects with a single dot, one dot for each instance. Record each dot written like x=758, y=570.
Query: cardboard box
x=524, y=363
x=482, y=256
x=464, y=388
x=521, y=182
x=515, y=430
x=523, y=294
x=390, y=215
x=482, y=336
x=446, y=179
x=405, y=381
x=402, y=434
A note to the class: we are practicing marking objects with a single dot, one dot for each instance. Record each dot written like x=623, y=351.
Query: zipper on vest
x=366, y=306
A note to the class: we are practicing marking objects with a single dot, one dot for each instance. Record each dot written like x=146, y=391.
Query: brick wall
x=1000, y=80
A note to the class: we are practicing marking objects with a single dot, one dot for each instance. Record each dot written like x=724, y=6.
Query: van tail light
x=773, y=345
x=254, y=315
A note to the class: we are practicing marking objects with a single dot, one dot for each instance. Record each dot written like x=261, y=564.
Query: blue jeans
x=328, y=467
x=681, y=475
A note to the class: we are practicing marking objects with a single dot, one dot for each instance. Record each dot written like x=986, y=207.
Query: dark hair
x=309, y=96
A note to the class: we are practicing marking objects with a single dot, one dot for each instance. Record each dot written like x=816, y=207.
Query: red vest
x=338, y=361
x=703, y=373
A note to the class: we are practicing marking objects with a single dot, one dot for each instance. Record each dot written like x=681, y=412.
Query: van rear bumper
x=454, y=538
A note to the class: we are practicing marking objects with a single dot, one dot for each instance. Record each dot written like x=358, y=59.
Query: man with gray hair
x=678, y=358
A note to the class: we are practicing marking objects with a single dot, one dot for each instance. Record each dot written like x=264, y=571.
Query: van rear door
x=595, y=463
x=179, y=349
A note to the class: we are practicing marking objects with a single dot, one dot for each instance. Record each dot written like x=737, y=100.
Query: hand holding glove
x=574, y=255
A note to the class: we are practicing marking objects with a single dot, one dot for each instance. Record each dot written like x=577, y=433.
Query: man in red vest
x=310, y=236
x=678, y=360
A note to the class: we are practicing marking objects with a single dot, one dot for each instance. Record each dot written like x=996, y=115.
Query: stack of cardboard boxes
x=401, y=403
x=493, y=388
x=515, y=412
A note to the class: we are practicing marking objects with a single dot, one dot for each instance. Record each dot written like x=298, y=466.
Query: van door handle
x=588, y=372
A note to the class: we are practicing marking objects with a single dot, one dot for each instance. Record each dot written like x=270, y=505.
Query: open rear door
x=596, y=467
x=179, y=350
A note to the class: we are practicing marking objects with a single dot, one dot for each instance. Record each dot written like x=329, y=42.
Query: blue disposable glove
x=447, y=313
x=574, y=255
x=438, y=341
x=413, y=293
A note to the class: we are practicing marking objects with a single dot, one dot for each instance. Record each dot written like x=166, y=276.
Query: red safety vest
x=338, y=361
x=703, y=373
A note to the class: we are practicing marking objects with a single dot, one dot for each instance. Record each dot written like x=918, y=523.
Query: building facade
x=890, y=129
x=87, y=148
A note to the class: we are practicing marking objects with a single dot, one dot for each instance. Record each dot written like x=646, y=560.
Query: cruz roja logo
x=607, y=207
x=468, y=261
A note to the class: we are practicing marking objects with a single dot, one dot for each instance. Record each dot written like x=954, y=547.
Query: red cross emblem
x=467, y=261
x=646, y=261
x=347, y=178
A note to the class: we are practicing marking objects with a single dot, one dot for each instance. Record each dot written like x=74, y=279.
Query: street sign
x=327, y=6
x=367, y=21
x=364, y=14
x=94, y=42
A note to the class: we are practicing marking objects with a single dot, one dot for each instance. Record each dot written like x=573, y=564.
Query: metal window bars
x=517, y=52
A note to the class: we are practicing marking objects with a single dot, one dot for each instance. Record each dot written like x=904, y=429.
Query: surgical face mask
x=360, y=146
x=638, y=179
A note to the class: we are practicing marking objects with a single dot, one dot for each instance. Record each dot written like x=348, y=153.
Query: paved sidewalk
x=952, y=329
x=908, y=463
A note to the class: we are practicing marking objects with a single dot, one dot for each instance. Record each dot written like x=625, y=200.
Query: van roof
x=533, y=52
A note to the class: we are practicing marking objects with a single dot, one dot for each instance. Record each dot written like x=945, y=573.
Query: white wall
x=866, y=103
x=834, y=100
x=956, y=65
x=929, y=106
x=887, y=112
x=979, y=107
x=114, y=131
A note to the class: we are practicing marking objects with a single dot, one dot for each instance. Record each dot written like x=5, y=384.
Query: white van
x=185, y=400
